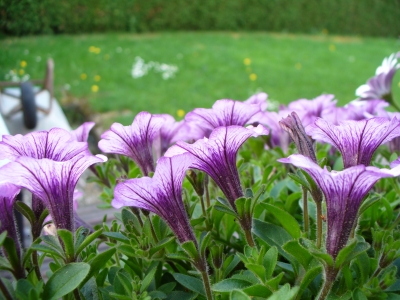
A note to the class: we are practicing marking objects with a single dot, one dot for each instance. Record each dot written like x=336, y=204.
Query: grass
x=211, y=67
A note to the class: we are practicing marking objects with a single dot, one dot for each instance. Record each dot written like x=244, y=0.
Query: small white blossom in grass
x=140, y=68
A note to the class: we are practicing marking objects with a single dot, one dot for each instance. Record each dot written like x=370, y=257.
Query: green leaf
x=23, y=289
x=301, y=254
x=89, y=290
x=65, y=280
x=123, y=283
x=192, y=283
x=12, y=255
x=3, y=236
x=284, y=293
x=191, y=250
x=68, y=240
x=287, y=220
x=227, y=285
x=324, y=258
x=257, y=290
x=98, y=262
x=269, y=261
x=258, y=270
x=117, y=236
x=359, y=295
x=226, y=210
x=204, y=243
x=46, y=249
x=371, y=200
x=26, y=211
x=272, y=234
x=238, y=295
x=147, y=279
x=129, y=218
x=351, y=251
x=88, y=240
x=231, y=265
x=161, y=245
x=308, y=278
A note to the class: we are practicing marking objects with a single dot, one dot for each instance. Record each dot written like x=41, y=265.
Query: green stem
x=4, y=290
x=207, y=285
x=249, y=237
x=203, y=208
x=36, y=265
x=319, y=223
x=330, y=276
x=206, y=180
x=153, y=232
x=305, y=212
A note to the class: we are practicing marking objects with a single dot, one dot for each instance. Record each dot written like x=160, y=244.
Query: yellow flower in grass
x=298, y=66
x=398, y=84
x=83, y=76
x=180, y=113
x=247, y=61
x=97, y=78
x=332, y=48
x=253, y=77
x=95, y=88
x=23, y=64
x=21, y=72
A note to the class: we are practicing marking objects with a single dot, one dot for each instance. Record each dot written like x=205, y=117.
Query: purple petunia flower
x=51, y=181
x=309, y=110
x=278, y=137
x=81, y=134
x=380, y=86
x=171, y=132
x=223, y=113
x=56, y=144
x=161, y=194
x=8, y=194
x=260, y=99
x=356, y=140
x=216, y=156
x=134, y=141
x=344, y=192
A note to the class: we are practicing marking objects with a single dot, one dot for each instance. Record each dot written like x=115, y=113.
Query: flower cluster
x=154, y=156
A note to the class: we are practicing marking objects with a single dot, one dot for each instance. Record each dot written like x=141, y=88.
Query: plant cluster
x=233, y=202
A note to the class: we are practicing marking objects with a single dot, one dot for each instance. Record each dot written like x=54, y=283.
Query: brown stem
x=330, y=276
x=4, y=290
x=206, y=180
x=76, y=294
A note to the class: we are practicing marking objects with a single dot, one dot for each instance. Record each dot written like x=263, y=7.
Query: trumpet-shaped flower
x=216, y=156
x=260, y=99
x=380, y=86
x=81, y=134
x=356, y=140
x=161, y=194
x=292, y=125
x=134, y=141
x=223, y=113
x=8, y=194
x=56, y=144
x=51, y=181
x=309, y=110
x=344, y=192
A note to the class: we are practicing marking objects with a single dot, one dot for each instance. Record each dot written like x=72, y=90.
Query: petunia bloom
x=81, y=134
x=356, y=140
x=56, y=144
x=161, y=194
x=344, y=192
x=51, y=181
x=216, y=156
x=292, y=125
x=223, y=113
x=8, y=194
x=134, y=141
x=380, y=86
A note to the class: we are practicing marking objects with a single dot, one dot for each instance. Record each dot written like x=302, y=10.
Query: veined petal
x=344, y=192
x=81, y=133
x=356, y=140
x=161, y=194
x=134, y=141
x=52, y=182
x=217, y=157
x=56, y=144
x=223, y=113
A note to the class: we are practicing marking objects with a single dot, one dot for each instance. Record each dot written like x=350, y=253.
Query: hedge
x=350, y=17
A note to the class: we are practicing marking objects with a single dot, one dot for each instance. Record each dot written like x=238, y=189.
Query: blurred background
x=114, y=59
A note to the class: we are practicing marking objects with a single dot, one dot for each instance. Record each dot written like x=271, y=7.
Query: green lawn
x=211, y=67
